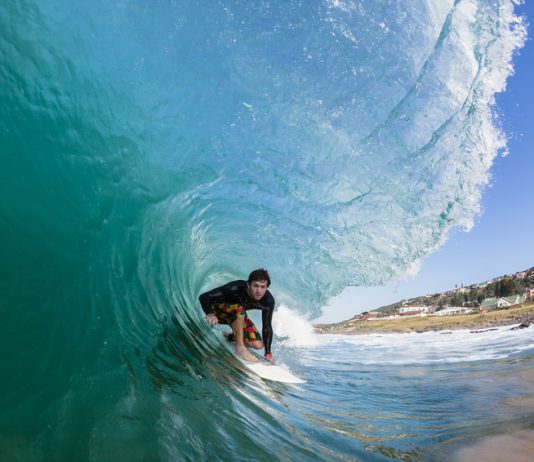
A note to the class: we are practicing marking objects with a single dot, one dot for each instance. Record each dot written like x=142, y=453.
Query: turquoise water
x=420, y=396
x=152, y=150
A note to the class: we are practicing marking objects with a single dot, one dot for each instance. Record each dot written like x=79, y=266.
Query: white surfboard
x=264, y=368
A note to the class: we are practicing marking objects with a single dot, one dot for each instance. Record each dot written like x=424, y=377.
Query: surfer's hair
x=259, y=274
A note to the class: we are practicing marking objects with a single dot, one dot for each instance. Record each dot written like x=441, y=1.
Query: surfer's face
x=257, y=289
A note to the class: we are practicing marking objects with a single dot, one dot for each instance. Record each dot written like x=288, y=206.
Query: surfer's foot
x=244, y=353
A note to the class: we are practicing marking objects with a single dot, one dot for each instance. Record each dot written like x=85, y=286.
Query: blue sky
x=502, y=240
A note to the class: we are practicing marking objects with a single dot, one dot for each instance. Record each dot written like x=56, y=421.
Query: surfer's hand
x=269, y=357
x=212, y=319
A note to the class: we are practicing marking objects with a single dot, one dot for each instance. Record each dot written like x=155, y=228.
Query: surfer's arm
x=267, y=328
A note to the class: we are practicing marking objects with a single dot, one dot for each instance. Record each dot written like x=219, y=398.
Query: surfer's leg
x=228, y=314
x=237, y=328
x=251, y=335
x=256, y=344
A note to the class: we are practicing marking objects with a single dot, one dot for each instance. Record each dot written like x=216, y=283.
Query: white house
x=502, y=302
x=414, y=310
x=505, y=302
x=452, y=310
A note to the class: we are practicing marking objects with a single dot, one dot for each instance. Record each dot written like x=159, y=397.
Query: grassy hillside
x=516, y=315
x=471, y=295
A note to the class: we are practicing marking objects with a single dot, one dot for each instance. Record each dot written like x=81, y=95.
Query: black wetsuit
x=236, y=292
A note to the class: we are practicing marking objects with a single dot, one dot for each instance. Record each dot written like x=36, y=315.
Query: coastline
x=522, y=315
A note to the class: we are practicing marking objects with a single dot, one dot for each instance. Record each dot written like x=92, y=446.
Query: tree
x=490, y=290
x=473, y=294
x=507, y=286
x=457, y=299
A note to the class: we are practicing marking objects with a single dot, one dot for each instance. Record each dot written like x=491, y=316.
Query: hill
x=464, y=296
x=475, y=322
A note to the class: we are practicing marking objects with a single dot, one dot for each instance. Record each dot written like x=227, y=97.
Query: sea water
x=152, y=150
x=443, y=396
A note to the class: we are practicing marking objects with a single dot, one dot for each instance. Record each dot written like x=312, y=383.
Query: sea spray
x=293, y=329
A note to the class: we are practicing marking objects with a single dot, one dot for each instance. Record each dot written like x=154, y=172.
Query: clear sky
x=502, y=240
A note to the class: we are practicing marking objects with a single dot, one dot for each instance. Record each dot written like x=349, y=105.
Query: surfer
x=229, y=303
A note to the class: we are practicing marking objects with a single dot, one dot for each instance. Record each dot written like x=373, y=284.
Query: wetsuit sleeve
x=267, y=328
x=218, y=295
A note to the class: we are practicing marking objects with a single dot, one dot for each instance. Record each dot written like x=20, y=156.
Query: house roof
x=489, y=302
x=511, y=298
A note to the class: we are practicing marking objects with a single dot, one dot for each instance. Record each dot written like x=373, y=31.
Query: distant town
x=503, y=300
x=501, y=292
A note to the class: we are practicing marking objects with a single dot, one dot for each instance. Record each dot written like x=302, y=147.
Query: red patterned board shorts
x=227, y=314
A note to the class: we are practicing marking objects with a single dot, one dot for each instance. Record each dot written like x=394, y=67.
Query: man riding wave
x=228, y=304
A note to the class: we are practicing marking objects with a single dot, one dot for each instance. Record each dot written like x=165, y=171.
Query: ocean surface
x=152, y=150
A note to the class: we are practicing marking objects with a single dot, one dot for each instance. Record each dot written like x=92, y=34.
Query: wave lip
x=348, y=155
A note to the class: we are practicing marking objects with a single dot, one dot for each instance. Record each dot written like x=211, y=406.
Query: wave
x=149, y=153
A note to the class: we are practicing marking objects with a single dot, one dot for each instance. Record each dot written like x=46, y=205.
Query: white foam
x=294, y=329
x=430, y=347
